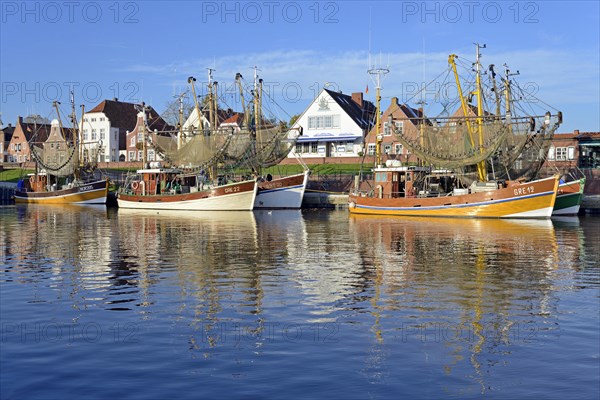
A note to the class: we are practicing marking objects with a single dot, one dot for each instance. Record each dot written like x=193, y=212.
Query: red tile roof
x=124, y=115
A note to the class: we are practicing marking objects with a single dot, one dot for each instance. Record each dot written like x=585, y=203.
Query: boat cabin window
x=381, y=177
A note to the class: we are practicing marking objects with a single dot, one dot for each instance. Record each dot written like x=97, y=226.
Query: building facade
x=398, y=118
x=18, y=150
x=334, y=126
x=134, y=139
x=106, y=126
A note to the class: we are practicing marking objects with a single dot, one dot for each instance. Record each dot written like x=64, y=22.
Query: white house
x=334, y=126
x=108, y=123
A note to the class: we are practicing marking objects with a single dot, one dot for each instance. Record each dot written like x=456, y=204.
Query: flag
x=367, y=89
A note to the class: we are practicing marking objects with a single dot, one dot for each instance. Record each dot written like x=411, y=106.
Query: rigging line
x=421, y=90
x=536, y=98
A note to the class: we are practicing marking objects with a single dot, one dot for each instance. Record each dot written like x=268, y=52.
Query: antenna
x=376, y=74
x=369, y=61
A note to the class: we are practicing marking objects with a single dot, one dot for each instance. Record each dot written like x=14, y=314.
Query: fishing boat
x=175, y=189
x=196, y=180
x=451, y=178
x=568, y=198
x=271, y=143
x=65, y=169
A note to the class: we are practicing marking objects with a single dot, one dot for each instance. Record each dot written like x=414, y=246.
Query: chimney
x=20, y=119
x=576, y=131
x=115, y=99
x=395, y=102
x=358, y=98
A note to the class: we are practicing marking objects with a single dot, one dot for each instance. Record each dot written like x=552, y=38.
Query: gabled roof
x=236, y=118
x=124, y=115
x=588, y=136
x=7, y=131
x=362, y=116
x=40, y=131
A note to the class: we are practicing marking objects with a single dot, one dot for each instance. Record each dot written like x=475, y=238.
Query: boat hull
x=90, y=193
x=280, y=193
x=233, y=197
x=569, y=197
x=520, y=200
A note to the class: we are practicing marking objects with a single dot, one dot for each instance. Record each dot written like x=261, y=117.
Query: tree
x=294, y=119
x=171, y=113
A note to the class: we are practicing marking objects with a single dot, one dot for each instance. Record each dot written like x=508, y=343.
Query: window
x=139, y=155
x=551, y=153
x=398, y=148
x=139, y=137
x=399, y=127
x=131, y=155
x=571, y=153
x=150, y=155
x=306, y=147
x=324, y=121
x=561, y=154
x=102, y=132
x=94, y=135
x=387, y=131
x=349, y=147
x=101, y=118
x=132, y=141
x=313, y=147
x=299, y=148
x=12, y=146
x=85, y=136
x=371, y=149
x=381, y=177
x=93, y=119
x=19, y=147
x=387, y=148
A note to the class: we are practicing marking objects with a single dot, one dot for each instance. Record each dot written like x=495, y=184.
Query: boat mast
x=257, y=98
x=238, y=80
x=55, y=105
x=495, y=87
x=80, y=147
x=180, y=132
x=191, y=81
x=76, y=138
x=463, y=103
x=508, y=94
x=211, y=101
x=144, y=139
x=481, y=167
x=377, y=73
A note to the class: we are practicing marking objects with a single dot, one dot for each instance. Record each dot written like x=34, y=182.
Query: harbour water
x=102, y=303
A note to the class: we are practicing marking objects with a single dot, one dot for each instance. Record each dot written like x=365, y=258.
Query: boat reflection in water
x=195, y=244
x=472, y=285
x=386, y=303
x=72, y=241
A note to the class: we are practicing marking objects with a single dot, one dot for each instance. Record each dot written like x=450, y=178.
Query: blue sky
x=145, y=50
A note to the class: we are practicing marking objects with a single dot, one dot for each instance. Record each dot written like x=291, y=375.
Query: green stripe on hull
x=567, y=200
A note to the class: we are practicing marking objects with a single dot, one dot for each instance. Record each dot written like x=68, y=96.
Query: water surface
x=101, y=303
